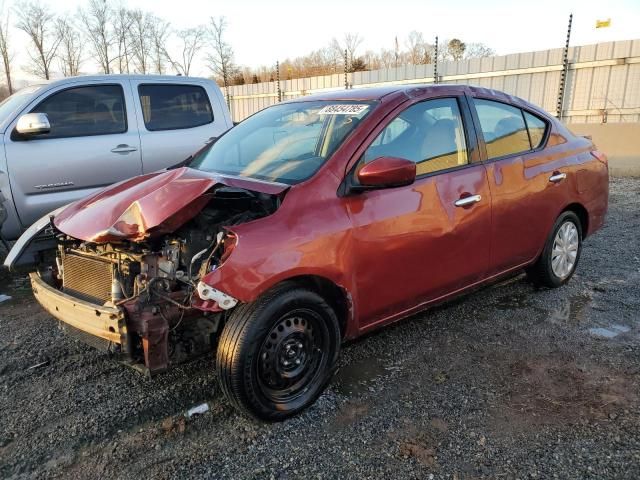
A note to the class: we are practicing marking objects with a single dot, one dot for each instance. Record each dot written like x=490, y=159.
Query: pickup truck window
x=173, y=107
x=85, y=111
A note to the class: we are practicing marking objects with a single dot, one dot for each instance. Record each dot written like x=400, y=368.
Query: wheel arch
x=582, y=214
x=338, y=297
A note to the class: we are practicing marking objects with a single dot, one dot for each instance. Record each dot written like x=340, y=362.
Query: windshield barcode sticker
x=343, y=109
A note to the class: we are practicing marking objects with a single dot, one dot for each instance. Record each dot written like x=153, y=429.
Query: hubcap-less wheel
x=565, y=250
x=292, y=355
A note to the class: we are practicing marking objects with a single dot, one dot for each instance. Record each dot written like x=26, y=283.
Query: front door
x=431, y=238
x=93, y=142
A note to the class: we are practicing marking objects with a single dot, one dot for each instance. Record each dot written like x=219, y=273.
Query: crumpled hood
x=148, y=205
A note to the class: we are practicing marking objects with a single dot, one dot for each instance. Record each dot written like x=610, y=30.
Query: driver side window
x=429, y=133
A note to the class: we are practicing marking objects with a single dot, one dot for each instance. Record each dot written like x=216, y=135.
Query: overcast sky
x=261, y=32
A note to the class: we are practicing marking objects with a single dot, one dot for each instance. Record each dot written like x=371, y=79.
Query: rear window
x=503, y=128
x=172, y=107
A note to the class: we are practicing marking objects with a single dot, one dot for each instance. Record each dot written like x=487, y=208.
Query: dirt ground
x=507, y=382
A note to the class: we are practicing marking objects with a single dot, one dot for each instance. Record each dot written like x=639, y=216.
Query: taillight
x=601, y=157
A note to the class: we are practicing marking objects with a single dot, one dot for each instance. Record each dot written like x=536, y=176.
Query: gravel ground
x=508, y=382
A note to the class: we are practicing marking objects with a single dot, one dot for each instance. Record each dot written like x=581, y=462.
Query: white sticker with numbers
x=343, y=109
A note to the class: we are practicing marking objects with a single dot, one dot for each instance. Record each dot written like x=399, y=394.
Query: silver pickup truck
x=63, y=140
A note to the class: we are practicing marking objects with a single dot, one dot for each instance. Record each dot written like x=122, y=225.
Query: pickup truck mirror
x=33, y=124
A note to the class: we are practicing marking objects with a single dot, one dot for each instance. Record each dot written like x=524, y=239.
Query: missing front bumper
x=106, y=323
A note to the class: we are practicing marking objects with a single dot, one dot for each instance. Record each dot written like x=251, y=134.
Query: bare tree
x=455, y=49
x=220, y=60
x=191, y=40
x=121, y=25
x=418, y=51
x=478, y=50
x=38, y=22
x=159, y=36
x=70, y=51
x=350, y=43
x=97, y=23
x=140, y=40
x=5, y=51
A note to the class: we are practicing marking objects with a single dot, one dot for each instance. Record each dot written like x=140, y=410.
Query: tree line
x=117, y=39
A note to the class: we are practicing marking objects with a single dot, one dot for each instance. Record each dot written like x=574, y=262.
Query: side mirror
x=33, y=124
x=386, y=172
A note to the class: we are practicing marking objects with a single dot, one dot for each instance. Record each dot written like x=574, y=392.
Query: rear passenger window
x=84, y=111
x=172, y=107
x=430, y=133
x=537, y=128
x=503, y=128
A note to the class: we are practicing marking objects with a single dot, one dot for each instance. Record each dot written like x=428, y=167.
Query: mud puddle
x=358, y=377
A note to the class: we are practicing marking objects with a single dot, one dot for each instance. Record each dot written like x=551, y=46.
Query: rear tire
x=561, y=253
x=276, y=355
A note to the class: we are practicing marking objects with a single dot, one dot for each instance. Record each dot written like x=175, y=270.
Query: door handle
x=123, y=148
x=557, y=177
x=466, y=201
x=210, y=140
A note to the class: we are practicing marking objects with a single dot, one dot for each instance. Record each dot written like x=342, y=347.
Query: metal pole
x=435, y=63
x=226, y=87
x=346, y=70
x=278, y=81
x=565, y=71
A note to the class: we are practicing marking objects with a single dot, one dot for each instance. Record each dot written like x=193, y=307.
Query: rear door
x=526, y=181
x=175, y=121
x=93, y=142
x=423, y=241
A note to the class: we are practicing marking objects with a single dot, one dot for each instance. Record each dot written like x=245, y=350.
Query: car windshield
x=285, y=143
x=15, y=101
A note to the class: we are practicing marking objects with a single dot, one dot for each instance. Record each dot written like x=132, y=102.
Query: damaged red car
x=313, y=222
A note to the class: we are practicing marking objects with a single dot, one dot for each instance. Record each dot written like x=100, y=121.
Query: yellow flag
x=603, y=23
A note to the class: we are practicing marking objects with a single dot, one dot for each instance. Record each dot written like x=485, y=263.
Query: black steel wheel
x=276, y=355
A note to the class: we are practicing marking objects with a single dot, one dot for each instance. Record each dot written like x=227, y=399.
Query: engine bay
x=156, y=280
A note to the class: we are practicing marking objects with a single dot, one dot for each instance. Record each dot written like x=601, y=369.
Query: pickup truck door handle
x=210, y=140
x=124, y=148
x=466, y=201
x=557, y=177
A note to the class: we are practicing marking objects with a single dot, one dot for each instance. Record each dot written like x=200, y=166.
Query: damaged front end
x=136, y=291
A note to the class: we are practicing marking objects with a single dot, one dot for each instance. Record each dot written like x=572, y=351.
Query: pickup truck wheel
x=276, y=355
x=561, y=253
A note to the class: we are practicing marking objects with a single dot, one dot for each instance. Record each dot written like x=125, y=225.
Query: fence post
x=346, y=70
x=565, y=71
x=278, y=80
x=435, y=63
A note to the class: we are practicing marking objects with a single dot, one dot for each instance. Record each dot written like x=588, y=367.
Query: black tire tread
x=539, y=273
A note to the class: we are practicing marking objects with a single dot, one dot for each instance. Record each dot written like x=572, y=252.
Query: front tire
x=561, y=253
x=276, y=355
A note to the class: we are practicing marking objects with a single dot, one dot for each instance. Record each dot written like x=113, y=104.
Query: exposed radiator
x=87, y=278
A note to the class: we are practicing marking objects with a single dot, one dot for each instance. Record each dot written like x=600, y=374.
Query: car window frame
x=547, y=129
x=480, y=135
x=470, y=137
x=17, y=137
x=171, y=84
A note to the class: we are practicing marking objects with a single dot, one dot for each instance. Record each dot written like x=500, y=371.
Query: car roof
x=417, y=89
x=377, y=93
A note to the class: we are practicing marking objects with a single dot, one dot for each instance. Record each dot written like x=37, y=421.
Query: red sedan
x=315, y=221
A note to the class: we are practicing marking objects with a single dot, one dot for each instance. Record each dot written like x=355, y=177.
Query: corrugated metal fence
x=603, y=82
